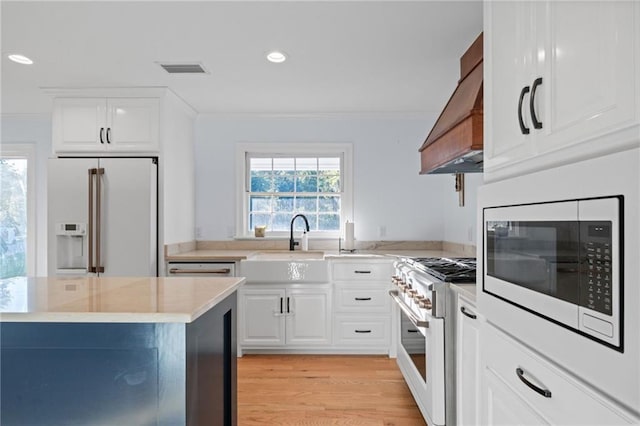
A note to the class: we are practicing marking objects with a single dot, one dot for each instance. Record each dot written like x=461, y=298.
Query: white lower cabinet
x=350, y=315
x=520, y=387
x=362, y=305
x=467, y=362
x=293, y=315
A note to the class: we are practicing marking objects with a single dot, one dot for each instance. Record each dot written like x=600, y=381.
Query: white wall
x=388, y=191
x=36, y=130
x=460, y=222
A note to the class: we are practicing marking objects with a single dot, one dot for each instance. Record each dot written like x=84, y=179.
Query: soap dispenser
x=305, y=241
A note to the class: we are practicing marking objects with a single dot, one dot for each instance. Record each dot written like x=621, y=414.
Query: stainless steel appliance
x=561, y=261
x=425, y=357
x=201, y=269
x=102, y=216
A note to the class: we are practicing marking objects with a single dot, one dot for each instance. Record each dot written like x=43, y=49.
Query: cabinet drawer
x=362, y=331
x=568, y=403
x=360, y=299
x=362, y=271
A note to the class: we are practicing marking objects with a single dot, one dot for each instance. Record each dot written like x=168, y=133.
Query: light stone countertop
x=112, y=299
x=467, y=290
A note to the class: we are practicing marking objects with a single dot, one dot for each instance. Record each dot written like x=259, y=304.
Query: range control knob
x=425, y=303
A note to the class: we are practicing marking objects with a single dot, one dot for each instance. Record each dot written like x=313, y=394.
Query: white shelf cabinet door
x=101, y=125
x=262, y=322
x=467, y=364
x=77, y=124
x=589, y=70
x=502, y=407
x=588, y=97
x=133, y=124
x=509, y=67
x=308, y=316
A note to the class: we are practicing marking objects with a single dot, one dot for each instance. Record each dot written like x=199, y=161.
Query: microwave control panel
x=597, y=263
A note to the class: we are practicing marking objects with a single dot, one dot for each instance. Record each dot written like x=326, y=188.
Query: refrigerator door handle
x=90, y=267
x=99, y=173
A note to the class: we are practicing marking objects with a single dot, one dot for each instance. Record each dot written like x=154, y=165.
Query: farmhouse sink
x=286, y=255
x=282, y=270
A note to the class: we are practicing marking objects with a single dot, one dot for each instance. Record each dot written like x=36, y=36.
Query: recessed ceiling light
x=276, y=57
x=21, y=59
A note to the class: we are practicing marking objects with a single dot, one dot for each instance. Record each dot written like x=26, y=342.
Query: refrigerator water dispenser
x=71, y=255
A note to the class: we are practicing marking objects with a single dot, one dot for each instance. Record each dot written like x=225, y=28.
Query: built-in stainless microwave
x=561, y=261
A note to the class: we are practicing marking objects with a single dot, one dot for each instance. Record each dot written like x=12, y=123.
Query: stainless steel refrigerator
x=102, y=217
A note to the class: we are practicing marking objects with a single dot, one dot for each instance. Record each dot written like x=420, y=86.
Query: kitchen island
x=109, y=351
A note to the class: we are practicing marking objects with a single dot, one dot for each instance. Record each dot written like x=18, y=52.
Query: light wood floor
x=323, y=390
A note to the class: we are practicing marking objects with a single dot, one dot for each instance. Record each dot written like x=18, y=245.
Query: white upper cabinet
x=561, y=83
x=96, y=125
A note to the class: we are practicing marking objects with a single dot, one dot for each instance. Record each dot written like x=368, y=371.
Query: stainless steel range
x=425, y=357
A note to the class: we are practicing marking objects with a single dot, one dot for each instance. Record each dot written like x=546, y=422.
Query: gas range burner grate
x=457, y=269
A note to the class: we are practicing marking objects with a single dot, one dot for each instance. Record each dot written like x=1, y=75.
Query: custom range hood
x=454, y=145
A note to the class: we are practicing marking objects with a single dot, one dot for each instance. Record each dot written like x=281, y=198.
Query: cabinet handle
x=362, y=272
x=412, y=331
x=532, y=108
x=282, y=305
x=544, y=392
x=523, y=128
x=288, y=306
x=108, y=134
x=467, y=313
x=362, y=299
x=101, y=134
x=363, y=331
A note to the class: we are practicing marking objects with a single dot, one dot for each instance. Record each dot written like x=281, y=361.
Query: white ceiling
x=344, y=57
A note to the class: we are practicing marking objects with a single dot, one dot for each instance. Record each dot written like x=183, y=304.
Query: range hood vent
x=184, y=68
x=454, y=145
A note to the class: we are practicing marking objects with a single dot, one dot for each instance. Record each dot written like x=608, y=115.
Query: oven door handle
x=414, y=319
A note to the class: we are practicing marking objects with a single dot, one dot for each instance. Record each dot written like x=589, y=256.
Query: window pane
x=261, y=181
x=307, y=181
x=283, y=204
x=329, y=222
x=306, y=204
x=258, y=219
x=283, y=180
x=13, y=217
x=329, y=174
x=260, y=204
x=280, y=222
x=329, y=204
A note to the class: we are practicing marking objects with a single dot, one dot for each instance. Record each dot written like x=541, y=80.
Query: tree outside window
x=280, y=187
x=13, y=217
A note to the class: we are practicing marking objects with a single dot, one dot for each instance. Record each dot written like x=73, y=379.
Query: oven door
x=421, y=360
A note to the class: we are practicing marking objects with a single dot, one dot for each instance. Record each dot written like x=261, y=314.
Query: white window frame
x=345, y=150
x=26, y=151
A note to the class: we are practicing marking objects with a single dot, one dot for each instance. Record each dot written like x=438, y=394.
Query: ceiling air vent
x=184, y=68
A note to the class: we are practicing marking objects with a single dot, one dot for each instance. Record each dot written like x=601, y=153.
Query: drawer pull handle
x=363, y=331
x=223, y=271
x=362, y=299
x=467, y=313
x=362, y=272
x=544, y=392
x=412, y=331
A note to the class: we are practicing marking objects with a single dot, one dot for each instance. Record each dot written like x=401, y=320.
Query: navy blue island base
x=120, y=374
